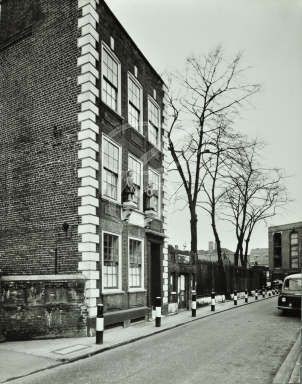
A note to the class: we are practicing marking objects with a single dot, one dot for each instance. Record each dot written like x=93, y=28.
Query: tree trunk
x=193, y=226
x=220, y=259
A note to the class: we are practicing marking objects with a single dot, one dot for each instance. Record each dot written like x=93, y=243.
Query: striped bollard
x=246, y=296
x=256, y=294
x=223, y=298
x=193, y=305
x=158, y=311
x=213, y=301
x=99, y=329
x=263, y=293
x=235, y=297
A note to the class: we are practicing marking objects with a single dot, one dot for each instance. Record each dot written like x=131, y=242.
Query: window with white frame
x=111, y=170
x=135, y=263
x=135, y=105
x=111, y=261
x=294, y=250
x=136, y=167
x=153, y=122
x=110, y=79
x=153, y=181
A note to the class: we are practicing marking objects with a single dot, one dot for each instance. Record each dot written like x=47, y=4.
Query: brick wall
x=38, y=147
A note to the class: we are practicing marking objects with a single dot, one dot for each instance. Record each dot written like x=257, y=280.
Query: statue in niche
x=129, y=190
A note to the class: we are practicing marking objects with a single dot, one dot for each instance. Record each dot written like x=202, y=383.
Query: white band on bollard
x=193, y=304
x=158, y=311
x=212, y=301
x=99, y=324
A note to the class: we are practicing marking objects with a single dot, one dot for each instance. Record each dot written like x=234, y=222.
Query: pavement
x=23, y=358
x=289, y=371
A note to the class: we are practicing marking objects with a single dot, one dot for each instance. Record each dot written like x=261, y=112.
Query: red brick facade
x=38, y=122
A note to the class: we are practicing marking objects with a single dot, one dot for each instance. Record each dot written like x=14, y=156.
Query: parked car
x=291, y=293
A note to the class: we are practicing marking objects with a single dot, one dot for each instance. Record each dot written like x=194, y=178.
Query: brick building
x=285, y=245
x=82, y=160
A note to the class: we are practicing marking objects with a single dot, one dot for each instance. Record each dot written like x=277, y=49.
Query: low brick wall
x=42, y=306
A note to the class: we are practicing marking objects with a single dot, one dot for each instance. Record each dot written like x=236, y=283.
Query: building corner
x=88, y=152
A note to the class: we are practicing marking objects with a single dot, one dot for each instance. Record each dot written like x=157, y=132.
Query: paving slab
x=289, y=370
x=15, y=364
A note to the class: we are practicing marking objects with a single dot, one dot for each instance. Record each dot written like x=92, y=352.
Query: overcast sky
x=269, y=32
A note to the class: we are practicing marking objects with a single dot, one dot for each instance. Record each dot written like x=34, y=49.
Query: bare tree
x=223, y=141
x=212, y=90
x=253, y=195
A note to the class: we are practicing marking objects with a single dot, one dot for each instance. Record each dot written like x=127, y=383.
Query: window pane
x=134, y=94
x=277, y=246
x=111, y=261
x=135, y=263
x=153, y=135
x=294, y=238
x=109, y=94
x=110, y=69
x=294, y=250
x=154, y=181
x=153, y=126
x=110, y=169
x=109, y=80
x=133, y=116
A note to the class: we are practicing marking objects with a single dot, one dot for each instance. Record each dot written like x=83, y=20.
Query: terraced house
x=82, y=170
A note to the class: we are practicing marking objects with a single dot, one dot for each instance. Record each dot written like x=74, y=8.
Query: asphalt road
x=246, y=345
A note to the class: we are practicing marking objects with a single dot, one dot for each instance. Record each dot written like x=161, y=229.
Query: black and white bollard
x=99, y=328
x=223, y=298
x=263, y=293
x=246, y=299
x=213, y=301
x=235, y=297
x=158, y=311
x=269, y=293
x=193, y=305
x=256, y=294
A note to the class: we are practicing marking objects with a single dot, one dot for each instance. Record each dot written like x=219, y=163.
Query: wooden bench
x=125, y=316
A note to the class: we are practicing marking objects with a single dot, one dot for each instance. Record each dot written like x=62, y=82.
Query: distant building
x=259, y=256
x=285, y=243
x=211, y=254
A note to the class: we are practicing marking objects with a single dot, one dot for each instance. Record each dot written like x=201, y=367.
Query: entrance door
x=183, y=291
x=155, y=280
